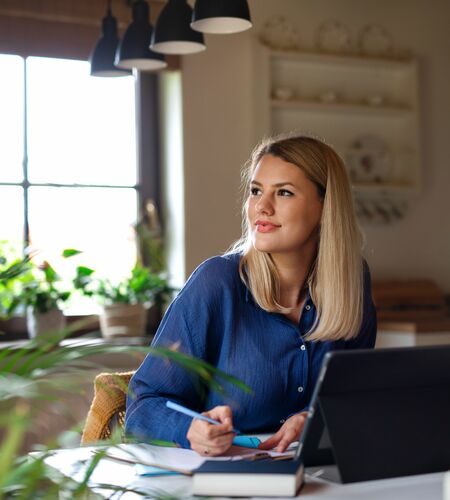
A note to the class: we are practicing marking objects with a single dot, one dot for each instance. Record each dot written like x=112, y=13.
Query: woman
x=294, y=287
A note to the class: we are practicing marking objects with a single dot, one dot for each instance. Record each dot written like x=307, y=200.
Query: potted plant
x=125, y=303
x=36, y=290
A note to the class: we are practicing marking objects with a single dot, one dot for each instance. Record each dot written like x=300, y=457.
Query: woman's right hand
x=209, y=439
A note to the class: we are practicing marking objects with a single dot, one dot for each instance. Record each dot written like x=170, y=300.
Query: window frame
x=148, y=163
x=148, y=159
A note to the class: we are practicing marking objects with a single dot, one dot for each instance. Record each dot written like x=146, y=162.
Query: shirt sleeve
x=186, y=327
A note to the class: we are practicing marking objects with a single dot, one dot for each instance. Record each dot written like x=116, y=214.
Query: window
x=68, y=169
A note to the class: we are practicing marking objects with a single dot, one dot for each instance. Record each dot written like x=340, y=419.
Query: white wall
x=218, y=136
x=217, y=128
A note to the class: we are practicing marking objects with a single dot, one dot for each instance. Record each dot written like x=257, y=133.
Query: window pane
x=81, y=129
x=97, y=221
x=11, y=118
x=11, y=214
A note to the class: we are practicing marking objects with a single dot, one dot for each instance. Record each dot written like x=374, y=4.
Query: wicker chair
x=107, y=411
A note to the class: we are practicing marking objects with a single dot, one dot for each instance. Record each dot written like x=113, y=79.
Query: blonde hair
x=336, y=276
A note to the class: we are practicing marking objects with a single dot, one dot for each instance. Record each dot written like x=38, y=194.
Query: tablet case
x=380, y=413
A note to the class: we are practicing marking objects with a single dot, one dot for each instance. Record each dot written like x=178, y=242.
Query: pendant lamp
x=221, y=16
x=133, y=50
x=102, y=57
x=173, y=33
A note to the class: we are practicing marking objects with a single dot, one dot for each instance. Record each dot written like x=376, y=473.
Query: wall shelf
x=341, y=107
x=344, y=98
x=341, y=59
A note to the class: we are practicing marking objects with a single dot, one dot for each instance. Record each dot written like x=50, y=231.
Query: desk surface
x=428, y=486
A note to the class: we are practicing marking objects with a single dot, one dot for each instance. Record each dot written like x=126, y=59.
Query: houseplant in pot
x=35, y=290
x=125, y=303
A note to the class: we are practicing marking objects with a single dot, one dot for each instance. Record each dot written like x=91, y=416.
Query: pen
x=245, y=441
x=193, y=414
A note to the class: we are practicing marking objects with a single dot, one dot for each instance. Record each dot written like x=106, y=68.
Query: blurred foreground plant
x=29, y=372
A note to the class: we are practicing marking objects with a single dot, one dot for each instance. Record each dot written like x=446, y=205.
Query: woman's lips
x=265, y=226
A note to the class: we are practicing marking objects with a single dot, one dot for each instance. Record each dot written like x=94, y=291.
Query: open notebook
x=158, y=460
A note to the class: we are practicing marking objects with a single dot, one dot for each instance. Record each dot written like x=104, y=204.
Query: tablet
x=380, y=413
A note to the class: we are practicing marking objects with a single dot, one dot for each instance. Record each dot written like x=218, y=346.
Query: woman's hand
x=288, y=433
x=212, y=440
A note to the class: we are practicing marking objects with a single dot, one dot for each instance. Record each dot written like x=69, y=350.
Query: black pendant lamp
x=104, y=53
x=173, y=33
x=133, y=50
x=221, y=16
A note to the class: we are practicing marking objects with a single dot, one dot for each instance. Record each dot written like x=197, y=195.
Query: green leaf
x=94, y=461
x=50, y=274
x=18, y=422
x=70, y=252
x=199, y=367
x=14, y=270
x=14, y=386
x=84, y=271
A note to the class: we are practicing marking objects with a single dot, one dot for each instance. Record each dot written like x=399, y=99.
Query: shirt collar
x=249, y=296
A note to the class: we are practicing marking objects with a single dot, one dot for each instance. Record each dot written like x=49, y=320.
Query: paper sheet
x=179, y=459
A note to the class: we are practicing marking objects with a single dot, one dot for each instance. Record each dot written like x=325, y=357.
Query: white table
x=428, y=486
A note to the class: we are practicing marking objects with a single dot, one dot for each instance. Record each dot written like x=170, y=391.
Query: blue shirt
x=215, y=318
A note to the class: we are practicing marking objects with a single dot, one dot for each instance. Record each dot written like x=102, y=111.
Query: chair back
x=107, y=410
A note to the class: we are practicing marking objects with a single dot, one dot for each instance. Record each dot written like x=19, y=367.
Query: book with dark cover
x=248, y=478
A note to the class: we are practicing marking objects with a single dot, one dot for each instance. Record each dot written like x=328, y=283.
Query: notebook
x=248, y=478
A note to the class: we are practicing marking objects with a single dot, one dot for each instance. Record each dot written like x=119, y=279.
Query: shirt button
x=282, y=421
x=300, y=388
x=308, y=307
x=303, y=347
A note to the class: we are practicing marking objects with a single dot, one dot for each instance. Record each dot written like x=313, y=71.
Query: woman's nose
x=264, y=206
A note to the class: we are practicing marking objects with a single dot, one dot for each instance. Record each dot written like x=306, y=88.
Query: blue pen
x=245, y=441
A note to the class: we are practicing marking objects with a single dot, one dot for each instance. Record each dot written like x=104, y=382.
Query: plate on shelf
x=369, y=160
x=280, y=34
x=333, y=36
x=374, y=40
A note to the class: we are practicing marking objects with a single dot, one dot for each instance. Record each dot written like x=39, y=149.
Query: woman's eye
x=254, y=191
x=285, y=192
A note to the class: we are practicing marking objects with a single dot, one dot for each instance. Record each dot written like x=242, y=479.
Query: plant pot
x=45, y=323
x=123, y=320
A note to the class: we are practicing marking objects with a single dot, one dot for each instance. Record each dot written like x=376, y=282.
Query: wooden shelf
x=341, y=59
x=341, y=107
x=354, y=80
